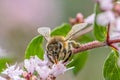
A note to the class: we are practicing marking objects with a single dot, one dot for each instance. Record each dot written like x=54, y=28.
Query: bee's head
x=53, y=50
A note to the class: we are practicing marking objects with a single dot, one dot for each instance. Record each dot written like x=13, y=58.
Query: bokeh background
x=19, y=20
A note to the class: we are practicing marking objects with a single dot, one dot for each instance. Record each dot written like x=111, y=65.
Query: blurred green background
x=19, y=20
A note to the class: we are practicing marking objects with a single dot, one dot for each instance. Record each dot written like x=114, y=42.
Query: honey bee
x=59, y=47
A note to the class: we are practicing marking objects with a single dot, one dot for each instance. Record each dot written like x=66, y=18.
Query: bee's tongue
x=55, y=59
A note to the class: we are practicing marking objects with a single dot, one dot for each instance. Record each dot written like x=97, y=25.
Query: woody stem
x=94, y=44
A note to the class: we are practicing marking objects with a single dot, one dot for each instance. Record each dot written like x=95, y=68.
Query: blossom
x=13, y=72
x=43, y=68
x=90, y=19
x=106, y=4
x=114, y=32
x=105, y=18
x=43, y=72
x=58, y=69
x=35, y=68
x=118, y=24
x=1, y=78
x=79, y=18
x=31, y=64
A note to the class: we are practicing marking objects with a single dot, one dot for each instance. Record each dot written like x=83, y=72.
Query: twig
x=88, y=46
x=94, y=44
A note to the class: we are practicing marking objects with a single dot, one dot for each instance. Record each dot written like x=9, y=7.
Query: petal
x=90, y=19
x=1, y=78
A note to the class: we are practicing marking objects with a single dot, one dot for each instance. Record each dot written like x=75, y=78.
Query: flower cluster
x=34, y=69
x=107, y=15
x=110, y=17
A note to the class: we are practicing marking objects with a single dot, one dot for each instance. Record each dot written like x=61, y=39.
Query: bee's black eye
x=49, y=47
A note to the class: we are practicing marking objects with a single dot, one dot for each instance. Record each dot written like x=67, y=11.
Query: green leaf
x=99, y=31
x=61, y=30
x=111, y=68
x=78, y=62
x=3, y=62
x=35, y=47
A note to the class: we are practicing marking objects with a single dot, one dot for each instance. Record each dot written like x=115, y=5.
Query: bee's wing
x=45, y=32
x=76, y=29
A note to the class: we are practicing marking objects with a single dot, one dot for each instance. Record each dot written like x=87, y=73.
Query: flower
x=105, y=18
x=106, y=4
x=58, y=69
x=31, y=64
x=114, y=32
x=118, y=24
x=43, y=72
x=35, y=68
x=90, y=19
x=1, y=78
x=13, y=72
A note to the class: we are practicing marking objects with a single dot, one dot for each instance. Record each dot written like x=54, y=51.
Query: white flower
x=90, y=19
x=13, y=71
x=105, y=18
x=43, y=72
x=114, y=32
x=32, y=63
x=40, y=62
x=58, y=69
x=17, y=78
x=1, y=78
x=106, y=4
x=29, y=65
x=118, y=24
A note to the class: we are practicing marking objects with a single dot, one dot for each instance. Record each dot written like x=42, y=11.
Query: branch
x=88, y=46
x=94, y=44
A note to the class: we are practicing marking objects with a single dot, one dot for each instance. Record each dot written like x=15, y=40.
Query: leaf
x=111, y=68
x=35, y=47
x=3, y=62
x=99, y=31
x=78, y=62
x=61, y=30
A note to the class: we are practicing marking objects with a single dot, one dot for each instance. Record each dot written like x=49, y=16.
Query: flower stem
x=94, y=44
x=90, y=45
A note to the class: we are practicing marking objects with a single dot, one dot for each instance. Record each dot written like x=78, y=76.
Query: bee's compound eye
x=49, y=47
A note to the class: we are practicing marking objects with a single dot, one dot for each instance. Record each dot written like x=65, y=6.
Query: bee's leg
x=64, y=53
x=74, y=44
x=68, y=56
x=50, y=57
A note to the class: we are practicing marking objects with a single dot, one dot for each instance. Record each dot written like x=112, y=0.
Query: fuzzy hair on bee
x=59, y=48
